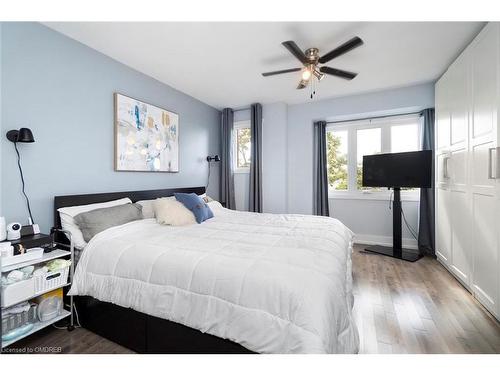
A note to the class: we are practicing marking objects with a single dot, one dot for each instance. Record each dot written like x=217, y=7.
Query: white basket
x=17, y=292
x=51, y=280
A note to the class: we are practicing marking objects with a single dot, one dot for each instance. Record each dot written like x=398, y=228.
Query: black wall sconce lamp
x=23, y=135
x=213, y=158
x=210, y=159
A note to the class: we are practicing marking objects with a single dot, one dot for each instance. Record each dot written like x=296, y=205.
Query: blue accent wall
x=63, y=90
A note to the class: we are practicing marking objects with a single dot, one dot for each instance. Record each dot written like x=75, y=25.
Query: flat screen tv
x=403, y=169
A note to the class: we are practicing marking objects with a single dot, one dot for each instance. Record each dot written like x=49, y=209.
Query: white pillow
x=148, y=208
x=169, y=211
x=68, y=223
x=214, y=204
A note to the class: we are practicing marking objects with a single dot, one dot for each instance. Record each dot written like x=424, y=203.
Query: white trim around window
x=385, y=124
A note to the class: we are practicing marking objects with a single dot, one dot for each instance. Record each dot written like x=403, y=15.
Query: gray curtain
x=320, y=179
x=426, y=235
x=227, y=176
x=255, y=202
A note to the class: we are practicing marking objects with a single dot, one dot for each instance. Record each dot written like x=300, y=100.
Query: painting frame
x=118, y=167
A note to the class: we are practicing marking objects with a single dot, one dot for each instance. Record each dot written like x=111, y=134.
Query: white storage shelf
x=37, y=285
x=58, y=253
x=37, y=327
x=10, y=304
x=35, y=288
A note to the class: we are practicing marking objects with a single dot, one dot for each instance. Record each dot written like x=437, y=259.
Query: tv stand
x=396, y=251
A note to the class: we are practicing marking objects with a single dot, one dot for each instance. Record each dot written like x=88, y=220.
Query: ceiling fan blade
x=346, y=47
x=281, y=72
x=337, y=72
x=295, y=50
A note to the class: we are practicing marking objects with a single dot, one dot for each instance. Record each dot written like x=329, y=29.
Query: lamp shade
x=213, y=158
x=25, y=135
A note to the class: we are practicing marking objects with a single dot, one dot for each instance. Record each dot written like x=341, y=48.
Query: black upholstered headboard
x=82, y=199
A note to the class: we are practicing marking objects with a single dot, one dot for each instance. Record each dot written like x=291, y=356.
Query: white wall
x=371, y=220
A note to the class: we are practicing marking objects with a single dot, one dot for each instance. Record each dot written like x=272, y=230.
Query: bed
x=238, y=283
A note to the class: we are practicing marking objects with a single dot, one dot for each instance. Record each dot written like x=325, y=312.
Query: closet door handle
x=493, y=175
x=445, y=167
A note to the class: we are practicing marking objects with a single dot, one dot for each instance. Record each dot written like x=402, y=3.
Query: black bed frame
x=132, y=329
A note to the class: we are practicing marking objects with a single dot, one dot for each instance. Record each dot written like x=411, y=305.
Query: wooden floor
x=403, y=307
x=400, y=307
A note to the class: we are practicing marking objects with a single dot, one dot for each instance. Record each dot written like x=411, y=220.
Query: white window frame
x=352, y=127
x=245, y=124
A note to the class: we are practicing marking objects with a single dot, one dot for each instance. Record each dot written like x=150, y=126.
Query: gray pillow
x=95, y=221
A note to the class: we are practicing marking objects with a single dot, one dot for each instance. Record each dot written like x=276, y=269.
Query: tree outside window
x=243, y=147
x=337, y=159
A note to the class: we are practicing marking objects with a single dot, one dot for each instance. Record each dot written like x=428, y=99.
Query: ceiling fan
x=311, y=60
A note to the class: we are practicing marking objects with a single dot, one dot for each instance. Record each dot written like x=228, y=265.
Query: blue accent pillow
x=196, y=205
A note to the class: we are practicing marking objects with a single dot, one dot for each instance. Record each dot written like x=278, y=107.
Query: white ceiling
x=221, y=63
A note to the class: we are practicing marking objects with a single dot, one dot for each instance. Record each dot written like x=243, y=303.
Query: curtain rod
x=375, y=117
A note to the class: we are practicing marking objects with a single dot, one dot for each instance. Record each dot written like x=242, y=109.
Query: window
x=337, y=159
x=348, y=142
x=242, y=146
x=404, y=137
x=368, y=142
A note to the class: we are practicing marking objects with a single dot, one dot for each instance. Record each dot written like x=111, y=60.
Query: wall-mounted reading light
x=215, y=158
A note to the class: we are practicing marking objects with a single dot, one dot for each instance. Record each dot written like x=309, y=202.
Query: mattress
x=271, y=283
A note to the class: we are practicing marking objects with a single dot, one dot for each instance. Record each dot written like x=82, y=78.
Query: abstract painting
x=146, y=137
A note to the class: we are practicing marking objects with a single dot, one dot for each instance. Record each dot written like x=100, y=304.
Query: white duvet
x=272, y=283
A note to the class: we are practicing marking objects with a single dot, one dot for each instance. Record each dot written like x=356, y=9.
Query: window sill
x=243, y=170
x=373, y=196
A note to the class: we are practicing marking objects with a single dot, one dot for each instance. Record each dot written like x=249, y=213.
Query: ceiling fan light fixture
x=302, y=84
x=319, y=76
x=306, y=74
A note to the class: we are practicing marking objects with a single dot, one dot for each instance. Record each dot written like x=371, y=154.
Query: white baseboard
x=368, y=239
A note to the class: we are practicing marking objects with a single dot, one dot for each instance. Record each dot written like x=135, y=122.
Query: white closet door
x=460, y=207
x=443, y=225
x=483, y=138
x=442, y=205
x=461, y=257
x=443, y=131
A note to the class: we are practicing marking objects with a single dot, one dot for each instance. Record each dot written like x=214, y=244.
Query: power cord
x=412, y=231
x=78, y=325
x=208, y=177
x=22, y=181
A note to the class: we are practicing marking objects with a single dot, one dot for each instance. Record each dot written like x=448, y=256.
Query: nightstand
x=35, y=240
